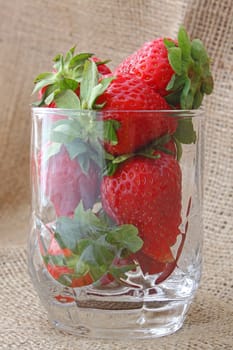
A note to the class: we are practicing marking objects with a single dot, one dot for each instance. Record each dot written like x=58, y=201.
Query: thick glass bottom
x=153, y=319
x=139, y=309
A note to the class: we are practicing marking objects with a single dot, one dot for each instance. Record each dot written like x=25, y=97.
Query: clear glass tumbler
x=115, y=248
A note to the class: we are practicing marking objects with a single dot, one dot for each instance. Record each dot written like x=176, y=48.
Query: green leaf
x=86, y=218
x=41, y=84
x=176, y=84
x=173, y=98
x=198, y=99
x=99, y=63
x=198, y=51
x=185, y=132
x=84, y=162
x=66, y=279
x=122, y=158
x=207, y=85
x=58, y=260
x=89, y=81
x=90, y=87
x=97, y=253
x=64, y=134
x=71, y=261
x=79, y=60
x=81, y=268
x=57, y=58
x=110, y=168
x=185, y=46
x=169, y=43
x=69, y=55
x=187, y=87
x=97, y=257
x=98, y=90
x=67, y=84
x=67, y=233
x=110, y=128
x=162, y=140
x=37, y=104
x=44, y=76
x=149, y=154
x=76, y=147
x=84, y=244
x=186, y=100
x=95, y=244
x=108, y=156
x=174, y=57
x=171, y=83
x=125, y=237
x=49, y=99
x=50, y=89
x=67, y=99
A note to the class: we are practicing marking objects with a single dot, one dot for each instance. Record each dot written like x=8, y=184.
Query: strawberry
x=146, y=192
x=103, y=69
x=136, y=129
x=148, y=264
x=66, y=75
x=150, y=64
x=66, y=184
x=141, y=195
x=178, y=70
x=72, y=158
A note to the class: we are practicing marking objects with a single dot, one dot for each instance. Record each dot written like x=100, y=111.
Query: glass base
x=122, y=312
x=152, y=320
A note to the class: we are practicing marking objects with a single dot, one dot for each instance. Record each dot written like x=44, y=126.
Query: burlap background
x=31, y=32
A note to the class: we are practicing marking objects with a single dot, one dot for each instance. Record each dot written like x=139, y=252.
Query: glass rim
x=172, y=112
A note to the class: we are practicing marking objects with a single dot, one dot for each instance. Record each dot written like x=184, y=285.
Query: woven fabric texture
x=31, y=32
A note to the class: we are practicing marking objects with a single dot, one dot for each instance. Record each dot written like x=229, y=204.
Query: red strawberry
x=65, y=184
x=129, y=94
x=103, y=69
x=146, y=192
x=60, y=71
x=149, y=265
x=150, y=63
x=178, y=70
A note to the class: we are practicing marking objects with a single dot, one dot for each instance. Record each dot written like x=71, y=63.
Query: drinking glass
x=115, y=247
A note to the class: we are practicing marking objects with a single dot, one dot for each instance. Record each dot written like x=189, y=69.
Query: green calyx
x=74, y=83
x=82, y=136
x=113, y=162
x=192, y=78
x=95, y=244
